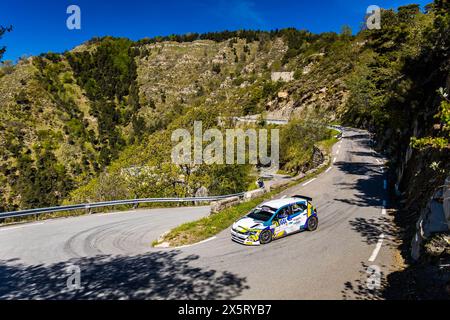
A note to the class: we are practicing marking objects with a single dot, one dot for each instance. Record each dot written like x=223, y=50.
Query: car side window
x=298, y=207
x=284, y=213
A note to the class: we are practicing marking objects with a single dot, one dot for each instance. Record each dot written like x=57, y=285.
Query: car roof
x=277, y=204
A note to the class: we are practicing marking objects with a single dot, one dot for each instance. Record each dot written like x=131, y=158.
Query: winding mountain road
x=116, y=261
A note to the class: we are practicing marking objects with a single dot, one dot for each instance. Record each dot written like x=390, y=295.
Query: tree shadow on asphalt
x=365, y=287
x=157, y=275
x=369, y=192
x=362, y=137
x=364, y=153
x=371, y=229
x=413, y=282
x=399, y=285
x=402, y=284
x=369, y=184
x=369, y=188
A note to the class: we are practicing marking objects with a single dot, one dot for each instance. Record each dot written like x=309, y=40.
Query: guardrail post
x=136, y=205
x=88, y=209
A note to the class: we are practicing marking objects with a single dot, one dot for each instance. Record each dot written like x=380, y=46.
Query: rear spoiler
x=303, y=197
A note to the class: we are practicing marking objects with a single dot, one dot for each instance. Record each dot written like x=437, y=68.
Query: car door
x=291, y=224
x=280, y=222
x=298, y=217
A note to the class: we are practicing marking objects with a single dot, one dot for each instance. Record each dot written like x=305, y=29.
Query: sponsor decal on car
x=275, y=219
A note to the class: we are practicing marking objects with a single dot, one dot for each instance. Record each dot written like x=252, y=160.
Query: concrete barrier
x=433, y=219
x=254, y=194
x=299, y=177
x=220, y=205
x=279, y=184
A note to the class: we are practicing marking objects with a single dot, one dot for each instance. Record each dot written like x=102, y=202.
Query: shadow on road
x=367, y=287
x=413, y=282
x=158, y=275
x=367, y=191
x=368, y=187
x=363, y=139
x=371, y=229
x=364, y=153
x=398, y=285
x=368, y=182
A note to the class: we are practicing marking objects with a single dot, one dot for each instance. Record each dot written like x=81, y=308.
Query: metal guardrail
x=89, y=206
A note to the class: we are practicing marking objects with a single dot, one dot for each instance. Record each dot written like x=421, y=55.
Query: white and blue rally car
x=275, y=219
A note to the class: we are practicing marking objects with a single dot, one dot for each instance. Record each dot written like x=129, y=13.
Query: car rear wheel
x=265, y=237
x=313, y=223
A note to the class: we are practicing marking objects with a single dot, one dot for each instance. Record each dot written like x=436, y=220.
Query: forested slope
x=94, y=123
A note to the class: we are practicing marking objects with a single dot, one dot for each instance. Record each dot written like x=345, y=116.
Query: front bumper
x=244, y=239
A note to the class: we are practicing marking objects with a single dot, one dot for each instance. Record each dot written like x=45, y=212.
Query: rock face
x=202, y=192
x=318, y=157
x=447, y=201
x=434, y=219
x=282, y=76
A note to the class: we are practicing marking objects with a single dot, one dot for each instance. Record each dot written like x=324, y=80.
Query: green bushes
x=297, y=141
x=437, y=142
x=393, y=78
x=107, y=76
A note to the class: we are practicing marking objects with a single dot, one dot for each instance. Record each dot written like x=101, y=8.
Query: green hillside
x=94, y=123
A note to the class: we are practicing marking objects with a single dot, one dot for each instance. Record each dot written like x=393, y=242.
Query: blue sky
x=40, y=26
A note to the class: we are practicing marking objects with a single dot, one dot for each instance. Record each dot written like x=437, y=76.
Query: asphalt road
x=114, y=255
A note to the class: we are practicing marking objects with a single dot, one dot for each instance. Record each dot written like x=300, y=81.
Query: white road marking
x=20, y=227
x=111, y=214
x=207, y=240
x=334, y=160
x=194, y=244
x=283, y=197
x=383, y=211
x=306, y=183
x=378, y=160
x=337, y=152
x=377, y=249
x=328, y=170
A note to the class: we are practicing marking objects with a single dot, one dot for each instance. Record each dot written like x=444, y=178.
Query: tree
x=443, y=140
x=442, y=6
x=346, y=32
x=406, y=13
x=216, y=68
x=3, y=30
x=7, y=67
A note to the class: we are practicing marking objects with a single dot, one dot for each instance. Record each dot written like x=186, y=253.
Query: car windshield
x=261, y=214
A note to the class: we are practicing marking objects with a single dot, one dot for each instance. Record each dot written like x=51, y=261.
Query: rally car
x=275, y=219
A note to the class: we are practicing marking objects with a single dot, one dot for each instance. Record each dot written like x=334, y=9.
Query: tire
x=312, y=223
x=265, y=237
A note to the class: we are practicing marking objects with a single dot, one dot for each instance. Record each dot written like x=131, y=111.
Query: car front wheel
x=265, y=237
x=313, y=223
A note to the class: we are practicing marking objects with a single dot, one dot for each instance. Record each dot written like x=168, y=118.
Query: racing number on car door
x=282, y=219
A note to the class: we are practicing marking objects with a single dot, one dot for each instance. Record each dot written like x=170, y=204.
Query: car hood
x=248, y=223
